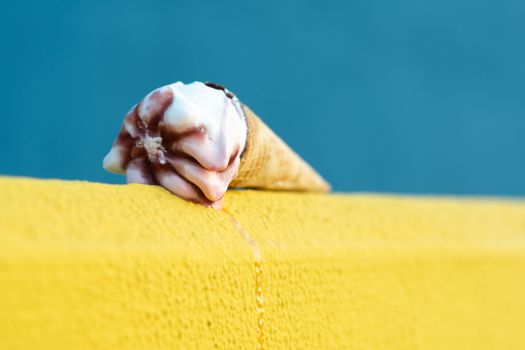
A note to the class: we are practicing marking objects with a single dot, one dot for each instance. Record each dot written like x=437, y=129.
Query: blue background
x=393, y=96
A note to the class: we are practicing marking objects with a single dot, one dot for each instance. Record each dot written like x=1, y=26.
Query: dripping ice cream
x=198, y=139
x=187, y=138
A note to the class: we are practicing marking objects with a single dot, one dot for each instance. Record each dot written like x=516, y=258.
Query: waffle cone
x=269, y=163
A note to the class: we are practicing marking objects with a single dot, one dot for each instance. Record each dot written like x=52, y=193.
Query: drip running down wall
x=259, y=300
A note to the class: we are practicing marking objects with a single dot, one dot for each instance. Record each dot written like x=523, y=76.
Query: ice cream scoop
x=198, y=139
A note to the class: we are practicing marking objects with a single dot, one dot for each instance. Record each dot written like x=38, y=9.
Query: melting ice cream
x=187, y=138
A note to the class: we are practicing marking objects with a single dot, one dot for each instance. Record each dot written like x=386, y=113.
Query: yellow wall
x=85, y=266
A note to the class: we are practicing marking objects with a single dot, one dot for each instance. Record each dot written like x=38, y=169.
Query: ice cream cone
x=269, y=163
x=197, y=142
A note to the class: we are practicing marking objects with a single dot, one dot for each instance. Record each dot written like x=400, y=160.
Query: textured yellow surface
x=93, y=266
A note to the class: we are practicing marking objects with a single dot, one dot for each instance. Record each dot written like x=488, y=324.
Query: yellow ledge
x=94, y=266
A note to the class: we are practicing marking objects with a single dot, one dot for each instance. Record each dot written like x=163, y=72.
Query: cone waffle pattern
x=268, y=163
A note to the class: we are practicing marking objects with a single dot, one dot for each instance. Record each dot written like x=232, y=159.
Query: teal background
x=397, y=96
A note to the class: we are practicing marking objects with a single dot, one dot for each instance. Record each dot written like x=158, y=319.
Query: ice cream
x=198, y=139
x=187, y=138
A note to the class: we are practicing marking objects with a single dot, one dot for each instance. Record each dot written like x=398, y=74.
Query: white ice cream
x=210, y=131
x=196, y=105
